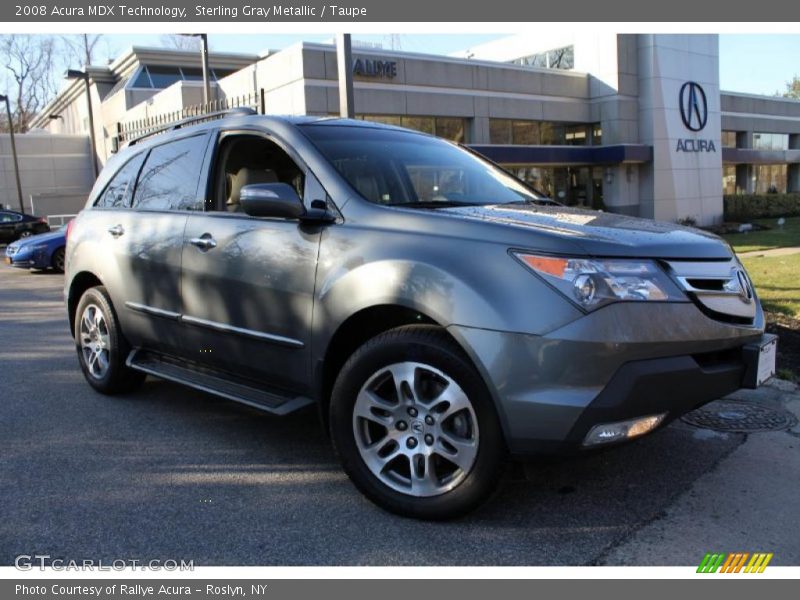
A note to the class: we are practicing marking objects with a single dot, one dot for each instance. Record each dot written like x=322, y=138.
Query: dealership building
x=630, y=123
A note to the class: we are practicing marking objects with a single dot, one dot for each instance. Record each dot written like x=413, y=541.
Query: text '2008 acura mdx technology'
x=439, y=312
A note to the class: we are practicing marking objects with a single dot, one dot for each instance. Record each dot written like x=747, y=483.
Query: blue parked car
x=43, y=251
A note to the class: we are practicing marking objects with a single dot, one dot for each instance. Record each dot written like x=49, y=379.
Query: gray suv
x=438, y=312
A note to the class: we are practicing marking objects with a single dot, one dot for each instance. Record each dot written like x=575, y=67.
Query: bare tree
x=180, y=42
x=82, y=49
x=29, y=68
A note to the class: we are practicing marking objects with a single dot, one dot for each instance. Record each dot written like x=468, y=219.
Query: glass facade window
x=524, y=132
x=729, y=139
x=423, y=124
x=575, y=135
x=500, y=131
x=729, y=179
x=770, y=179
x=449, y=128
x=771, y=141
x=153, y=77
x=535, y=133
x=573, y=186
x=597, y=135
x=454, y=129
x=558, y=58
x=385, y=119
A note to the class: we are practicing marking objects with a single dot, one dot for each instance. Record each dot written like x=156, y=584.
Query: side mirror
x=271, y=200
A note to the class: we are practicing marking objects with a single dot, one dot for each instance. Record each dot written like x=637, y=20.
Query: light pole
x=344, y=64
x=14, y=152
x=74, y=74
x=204, y=54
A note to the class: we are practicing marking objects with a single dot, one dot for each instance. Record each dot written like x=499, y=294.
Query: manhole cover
x=739, y=416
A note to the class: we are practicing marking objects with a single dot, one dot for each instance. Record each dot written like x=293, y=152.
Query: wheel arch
x=79, y=284
x=352, y=333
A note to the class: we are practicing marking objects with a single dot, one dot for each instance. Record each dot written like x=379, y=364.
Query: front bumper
x=36, y=259
x=621, y=362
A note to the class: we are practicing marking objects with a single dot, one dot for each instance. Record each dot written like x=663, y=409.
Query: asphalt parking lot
x=172, y=473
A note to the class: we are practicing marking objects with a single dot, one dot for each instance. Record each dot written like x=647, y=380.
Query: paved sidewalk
x=752, y=494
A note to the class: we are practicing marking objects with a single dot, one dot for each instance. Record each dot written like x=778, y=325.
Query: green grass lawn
x=788, y=235
x=777, y=281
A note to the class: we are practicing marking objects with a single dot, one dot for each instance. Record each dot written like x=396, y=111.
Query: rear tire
x=415, y=427
x=101, y=347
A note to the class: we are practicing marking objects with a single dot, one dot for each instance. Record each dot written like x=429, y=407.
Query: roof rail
x=239, y=110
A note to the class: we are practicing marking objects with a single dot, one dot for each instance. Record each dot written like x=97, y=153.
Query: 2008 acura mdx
x=439, y=312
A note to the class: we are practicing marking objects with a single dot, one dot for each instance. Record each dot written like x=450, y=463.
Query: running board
x=213, y=382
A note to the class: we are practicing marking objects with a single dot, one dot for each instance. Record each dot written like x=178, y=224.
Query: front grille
x=721, y=289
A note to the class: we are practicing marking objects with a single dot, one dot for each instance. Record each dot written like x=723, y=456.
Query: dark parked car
x=42, y=251
x=16, y=225
x=438, y=312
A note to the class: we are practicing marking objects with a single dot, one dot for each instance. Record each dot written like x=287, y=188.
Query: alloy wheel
x=415, y=429
x=94, y=341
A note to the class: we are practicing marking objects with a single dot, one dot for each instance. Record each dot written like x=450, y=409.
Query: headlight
x=595, y=282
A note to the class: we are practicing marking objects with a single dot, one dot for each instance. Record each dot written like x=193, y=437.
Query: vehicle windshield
x=399, y=168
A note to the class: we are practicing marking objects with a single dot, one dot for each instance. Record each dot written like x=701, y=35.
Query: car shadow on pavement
x=279, y=472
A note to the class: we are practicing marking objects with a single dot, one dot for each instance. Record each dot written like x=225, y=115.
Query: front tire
x=101, y=347
x=57, y=262
x=414, y=425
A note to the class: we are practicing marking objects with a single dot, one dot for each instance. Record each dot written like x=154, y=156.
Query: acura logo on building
x=694, y=107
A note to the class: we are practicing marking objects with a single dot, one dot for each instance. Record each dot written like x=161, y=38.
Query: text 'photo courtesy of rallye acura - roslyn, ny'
x=439, y=313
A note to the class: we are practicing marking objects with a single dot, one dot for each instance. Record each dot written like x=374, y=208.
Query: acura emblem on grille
x=739, y=284
x=745, y=291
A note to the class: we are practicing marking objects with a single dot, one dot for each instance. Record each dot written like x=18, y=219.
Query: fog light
x=622, y=430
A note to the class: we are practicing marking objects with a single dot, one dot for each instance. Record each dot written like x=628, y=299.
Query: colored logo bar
x=735, y=562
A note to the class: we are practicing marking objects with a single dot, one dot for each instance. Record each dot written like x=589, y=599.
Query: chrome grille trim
x=733, y=296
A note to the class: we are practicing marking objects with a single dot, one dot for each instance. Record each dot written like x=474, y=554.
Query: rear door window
x=170, y=176
x=118, y=192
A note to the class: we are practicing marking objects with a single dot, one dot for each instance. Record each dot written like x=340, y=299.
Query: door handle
x=204, y=242
x=116, y=230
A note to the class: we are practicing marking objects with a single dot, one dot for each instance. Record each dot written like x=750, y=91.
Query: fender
x=483, y=288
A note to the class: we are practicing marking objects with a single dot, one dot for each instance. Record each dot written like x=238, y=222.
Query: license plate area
x=760, y=361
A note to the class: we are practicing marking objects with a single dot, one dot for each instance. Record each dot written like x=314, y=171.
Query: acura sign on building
x=694, y=114
x=679, y=115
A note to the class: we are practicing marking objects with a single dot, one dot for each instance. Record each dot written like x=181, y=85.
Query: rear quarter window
x=118, y=191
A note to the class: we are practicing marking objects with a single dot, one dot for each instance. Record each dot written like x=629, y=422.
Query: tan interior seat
x=246, y=176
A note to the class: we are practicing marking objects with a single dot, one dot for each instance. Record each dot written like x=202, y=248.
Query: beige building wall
x=54, y=170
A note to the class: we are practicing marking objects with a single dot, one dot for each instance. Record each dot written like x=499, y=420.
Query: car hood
x=600, y=233
x=42, y=238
